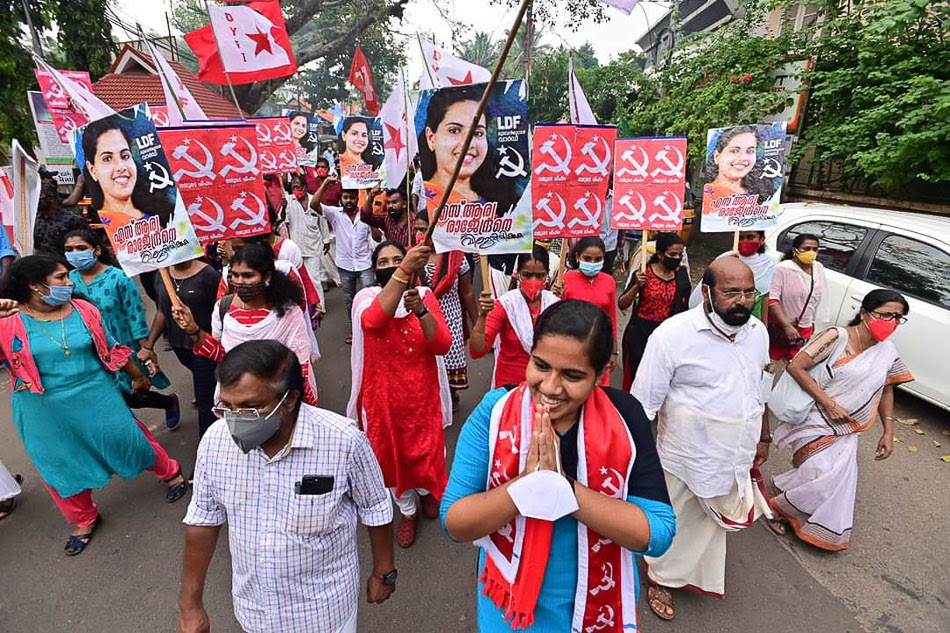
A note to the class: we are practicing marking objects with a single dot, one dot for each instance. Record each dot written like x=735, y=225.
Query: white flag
x=26, y=197
x=244, y=39
x=443, y=69
x=80, y=97
x=623, y=5
x=176, y=92
x=581, y=114
x=399, y=135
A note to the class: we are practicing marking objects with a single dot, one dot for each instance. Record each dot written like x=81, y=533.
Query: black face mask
x=672, y=263
x=247, y=292
x=383, y=275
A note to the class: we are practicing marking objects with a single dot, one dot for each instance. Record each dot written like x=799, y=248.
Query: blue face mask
x=591, y=269
x=81, y=260
x=58, y=295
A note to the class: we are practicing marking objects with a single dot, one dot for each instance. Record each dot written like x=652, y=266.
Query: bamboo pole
x=643, y=252
x=223, y=68
x=170, y=287
x=735, y=241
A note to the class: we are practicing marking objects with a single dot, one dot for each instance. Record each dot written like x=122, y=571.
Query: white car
x=863, y=249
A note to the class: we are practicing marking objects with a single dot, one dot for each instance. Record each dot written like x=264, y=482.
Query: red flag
x=254, y=44
x=361, y=76
x=649, y=177
x=217, y=170
x=278, y=149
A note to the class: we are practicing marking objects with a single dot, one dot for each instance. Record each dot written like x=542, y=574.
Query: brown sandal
x=778, y=525
x=660, y=601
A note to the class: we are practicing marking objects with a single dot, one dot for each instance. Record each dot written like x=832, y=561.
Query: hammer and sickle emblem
x=552, y=219
x=772, y=168
x=263, y=133
x=508, y=167
x=202, y=168
x=268, y=161
x=600, y=162
x=562, y=163
x=512, y=439
x=288, y=161
x=281, y=132
x=612, y=482
x=607, y=581
x=672, y=169
x=605, y=619
x=212, y=224
x=246, y=165
x=633, y=212
x=591, y=219
x=505, y=532
x=157, y=176
x=639, y=166
x=253, y=218
x=671, y=215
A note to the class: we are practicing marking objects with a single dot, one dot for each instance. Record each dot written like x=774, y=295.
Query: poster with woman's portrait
x=489, y=208
x=132, y=190
x=359, y=142
x=744, y=177
x=305, y=132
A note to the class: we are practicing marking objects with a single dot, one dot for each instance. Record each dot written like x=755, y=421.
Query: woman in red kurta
x=512, y=318
x=400, y=391
x=588, y=283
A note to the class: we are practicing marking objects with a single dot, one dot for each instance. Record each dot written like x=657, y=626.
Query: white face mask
x=544, y=494
x=717, y=321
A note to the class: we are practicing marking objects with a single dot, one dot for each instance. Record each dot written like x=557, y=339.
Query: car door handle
x=857, y=297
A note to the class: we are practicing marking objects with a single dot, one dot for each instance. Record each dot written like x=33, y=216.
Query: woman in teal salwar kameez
x=120, y=304
x=67, y=408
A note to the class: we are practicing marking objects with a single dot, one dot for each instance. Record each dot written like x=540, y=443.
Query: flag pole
x=405, y=105
x=571, y=96
x=425, y=62
x=479, y=111
x=223, y=67
x=161, y=73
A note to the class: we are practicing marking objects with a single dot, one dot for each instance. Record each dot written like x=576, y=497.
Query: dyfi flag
x=581, y=114
x=361, y=76
x=79, y=96
x=443, y=69
x=254, y=44
x=178, y=100
x=399, y=135
x=623, y=5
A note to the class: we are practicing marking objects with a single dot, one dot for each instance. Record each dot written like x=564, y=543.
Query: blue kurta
x=80, y=432
x=554, y=610
x=119, y=301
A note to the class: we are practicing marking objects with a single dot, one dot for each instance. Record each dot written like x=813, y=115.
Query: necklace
x=64, y=345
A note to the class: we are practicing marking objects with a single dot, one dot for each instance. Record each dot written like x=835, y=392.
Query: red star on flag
x=464, y=81
x=261, y=41
x=395, y=140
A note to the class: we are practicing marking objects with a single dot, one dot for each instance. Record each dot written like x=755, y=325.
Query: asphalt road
x=893, y=579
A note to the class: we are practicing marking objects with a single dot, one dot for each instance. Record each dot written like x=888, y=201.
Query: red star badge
x=395, y=140
x=261, y=41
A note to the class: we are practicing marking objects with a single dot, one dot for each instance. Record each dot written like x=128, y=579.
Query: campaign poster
x=66, y=119
x=129, y=179
x=276, y=145
x=305, y=134
x=744, y=177
x=489, y=209
x=360, y=147
x=159, y=115
x=570, y=177
x=218, y=172
x=649, y=183
x=55, y=154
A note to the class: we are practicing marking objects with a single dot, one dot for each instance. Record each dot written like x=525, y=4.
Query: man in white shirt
x=703, y=377
x=290, y=480
x=353, y=247
x=418, y=195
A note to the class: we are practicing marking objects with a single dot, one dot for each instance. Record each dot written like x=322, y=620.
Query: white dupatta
x=363, y=300
x=519, y=316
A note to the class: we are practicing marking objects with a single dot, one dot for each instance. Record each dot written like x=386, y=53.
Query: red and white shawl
x=517, y=553
x=519, y=317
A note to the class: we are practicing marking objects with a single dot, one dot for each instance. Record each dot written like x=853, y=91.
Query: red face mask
x=531, y=288
x=419, y=238
x=322, y=172
x=748, y=248
x=881, y=329
x=299, y=194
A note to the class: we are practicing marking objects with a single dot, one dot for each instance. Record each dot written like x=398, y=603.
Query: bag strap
x=224, y=305
x=811, y=290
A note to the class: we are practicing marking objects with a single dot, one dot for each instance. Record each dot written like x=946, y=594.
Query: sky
x=618, y=34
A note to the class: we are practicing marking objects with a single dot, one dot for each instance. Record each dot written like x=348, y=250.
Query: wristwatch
x=388, y=579
x=421, y=313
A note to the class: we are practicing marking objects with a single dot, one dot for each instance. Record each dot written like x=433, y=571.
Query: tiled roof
x=137, y=82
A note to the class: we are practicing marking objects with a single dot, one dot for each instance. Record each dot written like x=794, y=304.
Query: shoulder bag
x=788, y=402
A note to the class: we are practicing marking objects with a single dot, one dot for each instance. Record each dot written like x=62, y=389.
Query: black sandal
x=78, y=542
x=176, y=492
x=7, y=506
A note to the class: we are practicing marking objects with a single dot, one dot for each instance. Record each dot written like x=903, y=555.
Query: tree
x=879, y=97
x=547, y=98
x=84, y=35
x=325, y=30
x=480, y=49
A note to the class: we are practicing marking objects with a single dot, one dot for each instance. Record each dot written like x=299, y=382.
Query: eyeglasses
x=732, y=295
x=252, y=413
x=889, y=316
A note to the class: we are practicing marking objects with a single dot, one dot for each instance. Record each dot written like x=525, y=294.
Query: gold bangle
x=401, y=280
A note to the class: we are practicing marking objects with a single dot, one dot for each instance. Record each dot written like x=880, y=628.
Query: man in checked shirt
x=290, y=480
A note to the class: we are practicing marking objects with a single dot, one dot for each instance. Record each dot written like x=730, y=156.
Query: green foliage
x=880, y=93
x=16, y=75
x=84, y=35
x=547, y=97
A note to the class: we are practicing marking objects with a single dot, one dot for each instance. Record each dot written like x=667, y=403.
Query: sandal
x=661, y=601
x=176, y=492
x=173, y=415
x=778, y=525
x=6, y=506
x=78, y=542
x=349, y=339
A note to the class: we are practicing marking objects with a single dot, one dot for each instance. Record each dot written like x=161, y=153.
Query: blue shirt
x=555, y=607
x=6, y=249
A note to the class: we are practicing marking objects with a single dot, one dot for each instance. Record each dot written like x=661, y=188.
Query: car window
x=838, y=241
x=912, y=267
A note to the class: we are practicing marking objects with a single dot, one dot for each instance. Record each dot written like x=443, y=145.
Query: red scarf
x=441, y=283
x=517, y=554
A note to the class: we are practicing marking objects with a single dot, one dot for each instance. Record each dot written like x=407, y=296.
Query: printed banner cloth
x=649, y=183
x=361, y=148
x=218, y=172
x=277, y=148
x=130, y=182
x=571, y=175
x=744, y=176
x=489, y=209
